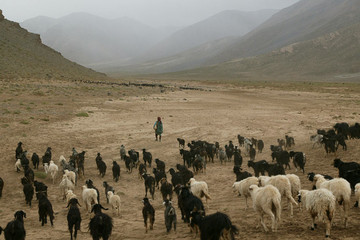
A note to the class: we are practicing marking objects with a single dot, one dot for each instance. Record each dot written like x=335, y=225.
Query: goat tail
x=206, y=194
x=276, y=208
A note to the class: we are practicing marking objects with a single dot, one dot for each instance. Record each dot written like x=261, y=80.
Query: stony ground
x=42, y=114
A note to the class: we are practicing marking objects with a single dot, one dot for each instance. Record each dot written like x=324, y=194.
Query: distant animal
x=148, y=212
x=181, y=142
x=122, y=152
x=35, y=160
x=116, y=171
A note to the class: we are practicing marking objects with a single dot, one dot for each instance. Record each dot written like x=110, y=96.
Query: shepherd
x=158, y=127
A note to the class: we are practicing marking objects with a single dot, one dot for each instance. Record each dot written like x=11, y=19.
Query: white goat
x=357, y=194
x=341, y=190
x=267, y=200
x=18, y=166
x=199, y=189
x=62, y=159
x=282, y=183
x=115, y=201
x=242, y=187
x=69, y=195
x=53, y=169
x=316, y=139
x=71, y=175
x=320, y=203
x=66, y=185
x=89, y=196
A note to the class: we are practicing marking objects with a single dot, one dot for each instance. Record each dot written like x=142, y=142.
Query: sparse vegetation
x=82, y=114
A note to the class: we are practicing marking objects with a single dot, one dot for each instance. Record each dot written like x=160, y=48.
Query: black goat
x=98, y=159
x=40, y=188
x=354, y=131
x=176, y=177
x=15, y=230
x=35, y=160
x=1, y=186
x=28, y=190
x=160, y=165
x=229, y=150
x=134, y=156
x=252, y=153
x=345, y=167
x=129, y=164
x=186, y=174
x=282, y=158
x=47, y=156
x=274, y=169
x=142, y=170
x=149, y=182
x=170, y=215
x=260, y=145
x=29, y=173
x=24, y=160
x=274, y=148
x=89, y=183
x=299, y=160
x=18, y=151
x=187, y=157
x=107, y=188
x=237, y=157
x=73, y=217
x=214, y=226
x=147, y=157
x=289, y=142
x=241, y=140
x=45, y=209
x=259, y=167
x=181, y=142
x=148, y=212
x=240, y=175
x=166, y=189
x=101, y=224
x=189, y=203
x=158, y=176
x=116, y=171
x=122, y=152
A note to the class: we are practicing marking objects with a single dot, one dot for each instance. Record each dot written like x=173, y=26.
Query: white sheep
x=71, y=175
x=53, y=169
x=295, y=184
x=242, y=187
x=18, y=166
x=282, y=183
x=46, y=168
x=357, y=194
x=69, y=195
x=199, y=189
x=341, y=190
x=89, y=197
x=320, y=203
x=62, y=159
x=267, y=200
x=66, y=185
x=115, y=202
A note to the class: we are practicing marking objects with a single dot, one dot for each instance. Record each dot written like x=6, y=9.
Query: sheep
x=35, y=160
x=66, y=185
x=89, y=183
x=282, y=183
x=45, y=209
x=357, y=194
x=169, y=215
x=116, y=171
x=341, y=190
x=114, y=201
x=321, y=204
x=71, y=176
x=311, y=176
x=15, y=230
x=242, y=187
x=147, y=157
x=148, y=212
x=70, y=195
x=101, y=224
x=149, y=184
x=40, y=188
x=181, y=142
x=53, y=169
x=295, y=184
x=89, y=197
x=166, y=189
x=267, y=200
x=73, y=217
x=214, y=226
x=28, y=190
x=18, y=166
x=107, y=189
x=122, y=152
x=1, y=186
x=199, y=189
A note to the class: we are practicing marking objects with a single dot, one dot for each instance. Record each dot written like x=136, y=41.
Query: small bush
x=82, y=114
x=41, y=175
x=25, y=122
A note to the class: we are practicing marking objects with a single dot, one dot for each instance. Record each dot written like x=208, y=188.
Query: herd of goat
x=266, y=192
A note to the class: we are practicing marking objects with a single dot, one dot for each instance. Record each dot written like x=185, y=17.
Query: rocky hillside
x=24, y=56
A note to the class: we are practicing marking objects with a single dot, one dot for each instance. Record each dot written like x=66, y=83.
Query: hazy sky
x=152, y=12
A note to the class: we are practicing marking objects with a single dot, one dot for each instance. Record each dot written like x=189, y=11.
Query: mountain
x=333, y=56
x=24, y=56
x=305, y=20
x=90, y=40
x=224, y=24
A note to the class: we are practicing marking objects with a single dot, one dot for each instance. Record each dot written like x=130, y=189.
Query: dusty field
x=42, y=115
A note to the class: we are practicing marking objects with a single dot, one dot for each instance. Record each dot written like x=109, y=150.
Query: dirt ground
x=45, y=114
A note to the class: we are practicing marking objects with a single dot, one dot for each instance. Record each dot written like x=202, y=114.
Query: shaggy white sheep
x=53, y=169
x=115, y=202
x=282, y=183
x=62, y=159
x=89, y=196
x=199, y=189
x=69, y=195
x=66, y=185
x=357, y=194
x=295, y=184
x=242, y=187
x=71, y=175
x=267, y=200
x=18, y=166
x=320, y=203
x=341, y=190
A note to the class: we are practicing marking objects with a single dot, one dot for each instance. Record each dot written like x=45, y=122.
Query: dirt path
x=207, y=115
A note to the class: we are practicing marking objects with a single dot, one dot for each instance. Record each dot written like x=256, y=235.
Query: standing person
x=158, y=127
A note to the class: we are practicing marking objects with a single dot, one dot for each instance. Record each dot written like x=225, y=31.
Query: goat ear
x=163, y=203
x=24, y=214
